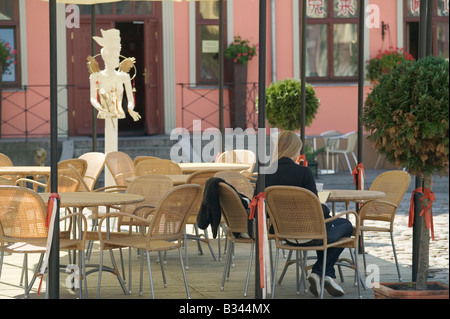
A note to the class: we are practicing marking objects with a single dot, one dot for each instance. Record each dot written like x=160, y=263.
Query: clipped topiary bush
x=407, y=117
x=283, y=104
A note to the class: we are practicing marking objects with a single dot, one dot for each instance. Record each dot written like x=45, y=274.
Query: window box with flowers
x=6, y=60
x=238, y=54
x=384, y=61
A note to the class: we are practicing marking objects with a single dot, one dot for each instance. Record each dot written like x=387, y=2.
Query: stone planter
x=398, y=290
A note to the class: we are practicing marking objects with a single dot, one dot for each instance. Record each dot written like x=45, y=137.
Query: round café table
x=193, y=167
x=352, y=195
x=81, y=200
x=24, y=171
x=177, y=179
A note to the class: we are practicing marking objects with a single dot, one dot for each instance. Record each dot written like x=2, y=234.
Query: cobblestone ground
x=379, y=245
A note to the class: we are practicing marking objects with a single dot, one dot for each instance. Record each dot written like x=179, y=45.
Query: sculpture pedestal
x=111, y=145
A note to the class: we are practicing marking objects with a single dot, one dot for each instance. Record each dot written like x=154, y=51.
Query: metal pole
x=303, y=77
x=429, y=39
x=361, y=12
x=94, y=111
x=261, y=126
x=53, y=266
x=221, y=53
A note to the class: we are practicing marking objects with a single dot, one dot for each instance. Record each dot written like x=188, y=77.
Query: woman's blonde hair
x=289, y=144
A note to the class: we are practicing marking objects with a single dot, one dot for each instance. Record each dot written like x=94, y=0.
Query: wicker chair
x=95, y=164
x=378, y=215
x=157, y=166
x=121, y=167
x=161, y=231
x=151, y=187
x=5, y=160
x=241, y=157
x=199, y=178
x=138, y=159
x=240, y=182
x=23, y=230
x=333, y=148
x=6, y=181
x=296, y=214
x=236, y=219
x=70, y=177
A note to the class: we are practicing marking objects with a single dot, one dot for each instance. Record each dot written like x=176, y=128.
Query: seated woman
x=291, y=174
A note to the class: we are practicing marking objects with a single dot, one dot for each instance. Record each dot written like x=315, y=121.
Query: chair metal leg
x=252, y=248
x=162, y=270
x=141, y=271
x=322, y=287
x=100, y=269
x=274, y=277
x=150, y=275
x=363, y=252
x=395, y=257
x=226, y=267
x=184, y=275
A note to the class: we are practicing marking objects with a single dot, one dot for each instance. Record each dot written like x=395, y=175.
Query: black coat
x=289, y=173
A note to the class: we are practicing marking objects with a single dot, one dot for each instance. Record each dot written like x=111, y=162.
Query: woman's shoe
x=333, y=288
x=314, y=284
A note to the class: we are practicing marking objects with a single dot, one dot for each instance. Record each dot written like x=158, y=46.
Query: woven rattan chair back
x=158, y=166
x=121, y=167
x=22, y=215
x=233, y=210
x=95, y=164
x=240, y=182
x=5, y=160
x=6, y=181
x=138, y=159
x=152, y=187
x=295, y=213
x=78, y=163
x=199, y=178
x=394, y=184
x=173, y=211
x=239, y=156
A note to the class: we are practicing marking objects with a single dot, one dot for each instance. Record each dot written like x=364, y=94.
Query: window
x=440, y=27
x=9, y=33
x=332, y=40
x=207, y=41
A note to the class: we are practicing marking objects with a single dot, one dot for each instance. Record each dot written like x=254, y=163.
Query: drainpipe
x=274, y=41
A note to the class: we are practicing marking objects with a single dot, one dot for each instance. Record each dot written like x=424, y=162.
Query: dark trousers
x=336, y=229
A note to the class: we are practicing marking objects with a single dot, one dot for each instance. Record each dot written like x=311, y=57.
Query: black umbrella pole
x=303, y=78
x=361, y=24
x=53, y=266
x=261, y=129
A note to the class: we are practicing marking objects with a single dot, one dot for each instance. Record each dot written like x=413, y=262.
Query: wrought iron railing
x=202, y=103
x=23, y=112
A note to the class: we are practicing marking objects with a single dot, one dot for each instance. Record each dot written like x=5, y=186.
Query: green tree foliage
x=407, y=116
x=283, y=104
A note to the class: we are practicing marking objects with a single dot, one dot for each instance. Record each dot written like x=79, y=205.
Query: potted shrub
x=311, y=158
x=238, y=53
x=283, y=104
x=384, y=61
x=407, y=118
x=6, y=59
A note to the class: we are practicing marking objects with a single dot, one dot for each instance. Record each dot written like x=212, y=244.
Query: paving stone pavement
x=379, y=244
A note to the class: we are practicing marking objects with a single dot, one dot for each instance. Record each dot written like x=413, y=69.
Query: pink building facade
x=178, y=62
